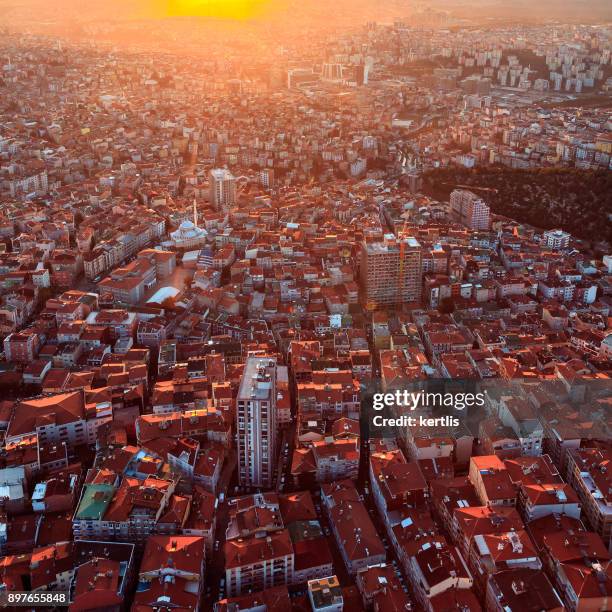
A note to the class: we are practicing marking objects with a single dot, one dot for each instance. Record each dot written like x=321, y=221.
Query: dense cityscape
x=217, y=248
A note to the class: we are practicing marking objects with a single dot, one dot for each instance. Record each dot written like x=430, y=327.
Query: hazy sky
x=327, y=13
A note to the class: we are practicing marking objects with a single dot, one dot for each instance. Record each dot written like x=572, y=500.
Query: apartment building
x=470, y=210
x=222, y=188
x=589, y=473
x=256, y=414
x=255, y=564
x=390, y=272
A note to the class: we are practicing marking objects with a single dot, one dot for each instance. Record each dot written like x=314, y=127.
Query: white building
x=257, y=422
x=36, y=183
x=189, y=235
x=222, y=188
x=470, y=210
x=556, y=239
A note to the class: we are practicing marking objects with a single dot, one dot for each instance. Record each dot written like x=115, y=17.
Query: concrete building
x=588, y=473
x=391, y=271
x=470, y=210
x=325, y=595
x=556, y=239
x=21, y=347
x=256, y=413
x=222, y=188
x=254, y=564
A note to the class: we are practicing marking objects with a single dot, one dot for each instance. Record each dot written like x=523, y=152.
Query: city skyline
x=306, y=307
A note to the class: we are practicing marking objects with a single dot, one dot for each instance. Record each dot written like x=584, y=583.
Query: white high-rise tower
x=256, y=414
x=222, y=188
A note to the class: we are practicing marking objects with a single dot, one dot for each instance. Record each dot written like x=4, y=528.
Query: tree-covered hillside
x=579, y=201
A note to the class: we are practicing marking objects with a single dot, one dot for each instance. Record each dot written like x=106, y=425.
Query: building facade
x=256, y=414
x=391, y=271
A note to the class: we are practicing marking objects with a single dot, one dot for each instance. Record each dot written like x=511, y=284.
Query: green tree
x=447, y=305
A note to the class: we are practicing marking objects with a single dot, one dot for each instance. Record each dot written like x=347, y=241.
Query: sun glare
x=222, y=9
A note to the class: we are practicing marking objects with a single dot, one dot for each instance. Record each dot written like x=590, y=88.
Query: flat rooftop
x=96, y=499
x=257, y=380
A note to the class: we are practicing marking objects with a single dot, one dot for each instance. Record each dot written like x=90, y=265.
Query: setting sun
x=224, y=9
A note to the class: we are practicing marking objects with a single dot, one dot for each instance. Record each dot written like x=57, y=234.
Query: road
x=215, y=567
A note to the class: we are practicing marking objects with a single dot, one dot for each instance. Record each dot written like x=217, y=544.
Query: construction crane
x=402, y=249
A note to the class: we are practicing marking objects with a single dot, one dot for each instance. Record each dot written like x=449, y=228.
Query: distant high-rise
x=256, y=414
x=470, y=210
x=476, y=85
x=222, y=188
x=331, y=72
x=391, y=271
x=192, y=148
x=266, y=178
x=301, y=76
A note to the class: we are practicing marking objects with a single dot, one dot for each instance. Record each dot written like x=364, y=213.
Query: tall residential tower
x=256, y=414
x=470, y=210
x=222, y=188
x=391, y=271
